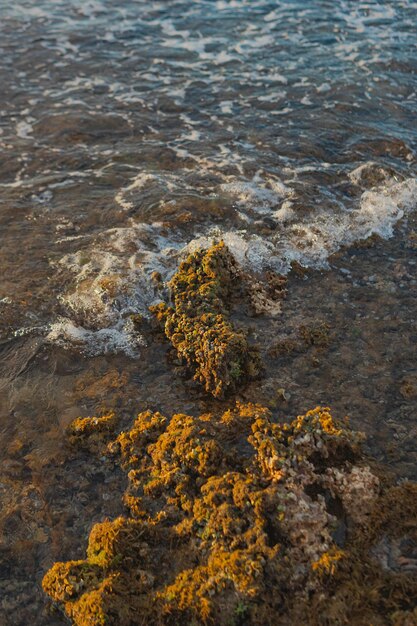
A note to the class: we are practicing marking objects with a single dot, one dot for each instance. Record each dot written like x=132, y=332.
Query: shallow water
x=132, y=134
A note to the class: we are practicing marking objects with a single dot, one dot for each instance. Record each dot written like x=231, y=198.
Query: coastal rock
x=198, y=323
x=234, y=517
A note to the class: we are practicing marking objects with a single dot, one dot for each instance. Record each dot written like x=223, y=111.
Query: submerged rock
x=198, y=324
x=236, y=520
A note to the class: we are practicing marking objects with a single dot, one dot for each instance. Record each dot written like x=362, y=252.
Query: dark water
x=130, y=134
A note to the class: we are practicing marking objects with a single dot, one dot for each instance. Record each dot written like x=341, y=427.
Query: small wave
x=113, y=276
x=311, y=241
x=112, y=280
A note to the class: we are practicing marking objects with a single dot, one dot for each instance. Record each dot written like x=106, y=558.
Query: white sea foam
x=94, y=342
x=250, y=251
x=313, y=240
x=226, y=107
x=138, y=183
x=260, y=195
x=112, y=280
x=324, y=88
x=382, y=208
x=360, y=175
x=112, y=277
x=273, y=97
x=162, y=183
x=24, y=128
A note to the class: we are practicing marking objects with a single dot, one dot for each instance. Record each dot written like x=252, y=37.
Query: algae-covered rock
x=235, y=519
x=66, y=581
x=92, y=432
x=113, y=584
x=198, y=323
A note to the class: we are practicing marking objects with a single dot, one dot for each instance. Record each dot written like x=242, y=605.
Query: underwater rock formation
x=198, y=324
x=235, y=520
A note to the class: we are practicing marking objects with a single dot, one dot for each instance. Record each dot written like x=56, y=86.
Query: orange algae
x=92, y=432
x=232, y=520
x=198, y=323
x=327, y=563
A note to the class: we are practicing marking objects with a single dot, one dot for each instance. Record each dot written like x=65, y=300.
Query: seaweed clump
x=92, y=433
x=236, y=519
x=198, y=324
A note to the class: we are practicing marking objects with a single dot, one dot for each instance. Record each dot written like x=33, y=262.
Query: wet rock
x=91, y=432
x=225, y=508
x=198, y=323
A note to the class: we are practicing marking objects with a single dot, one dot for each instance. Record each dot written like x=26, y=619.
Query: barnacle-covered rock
x=198, y=323
x=236, y=519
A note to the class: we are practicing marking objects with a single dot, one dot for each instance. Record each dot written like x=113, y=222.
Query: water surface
x=130, y=134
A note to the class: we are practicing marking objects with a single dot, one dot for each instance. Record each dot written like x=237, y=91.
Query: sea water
x=132, y=133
